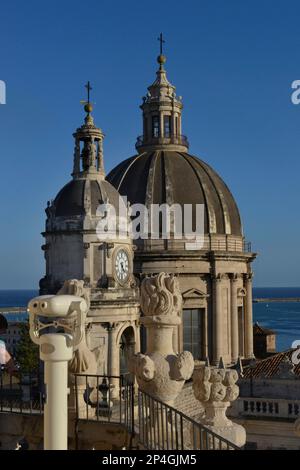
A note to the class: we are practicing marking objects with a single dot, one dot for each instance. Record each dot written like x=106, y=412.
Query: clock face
x=122, y=266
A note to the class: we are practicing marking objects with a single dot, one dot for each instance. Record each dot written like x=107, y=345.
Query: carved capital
x=249, y=276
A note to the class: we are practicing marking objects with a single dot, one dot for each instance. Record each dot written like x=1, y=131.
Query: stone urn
x=160, y=372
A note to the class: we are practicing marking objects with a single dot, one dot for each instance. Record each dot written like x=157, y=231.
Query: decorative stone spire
x=161, y=114
x=88, y=151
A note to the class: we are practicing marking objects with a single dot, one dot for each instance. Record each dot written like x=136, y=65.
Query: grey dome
x=70, y=199
x=158, y=177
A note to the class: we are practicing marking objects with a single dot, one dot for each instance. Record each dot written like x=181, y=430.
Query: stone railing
x=265, y=407
x=179, y=139
x=230, y=243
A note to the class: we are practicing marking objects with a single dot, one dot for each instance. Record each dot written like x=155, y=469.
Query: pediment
x=194, y=294
x=241, y=292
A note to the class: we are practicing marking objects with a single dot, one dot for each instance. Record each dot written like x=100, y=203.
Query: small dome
x=158, y=177
x=70, y=199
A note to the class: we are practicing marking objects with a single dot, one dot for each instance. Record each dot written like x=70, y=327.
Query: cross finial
x=89, y=88
x=162, y=41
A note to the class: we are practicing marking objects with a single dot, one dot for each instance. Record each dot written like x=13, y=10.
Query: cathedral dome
x=164, y=172
x=157, y=177
x=70, y=201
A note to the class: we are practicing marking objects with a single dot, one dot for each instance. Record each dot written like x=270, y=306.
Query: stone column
x=248, y=317
x=215, y=388
x=161, y=125
x=217, y=319
x=137, y=334
x=234, y=319
x=76, y=165
x=205, y=334
x=113, y=359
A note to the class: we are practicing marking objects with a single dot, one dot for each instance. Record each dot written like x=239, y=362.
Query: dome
x=70, y=199
x=157, y=177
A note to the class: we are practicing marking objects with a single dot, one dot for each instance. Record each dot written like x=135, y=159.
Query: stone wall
x=186, y=401
x=90, y=435
x=288, y=389
x=269, y=434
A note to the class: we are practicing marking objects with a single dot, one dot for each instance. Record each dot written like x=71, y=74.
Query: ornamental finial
x=88, y=107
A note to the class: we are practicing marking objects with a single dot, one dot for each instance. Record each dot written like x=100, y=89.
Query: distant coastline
x=13, y=309
x=276, y=299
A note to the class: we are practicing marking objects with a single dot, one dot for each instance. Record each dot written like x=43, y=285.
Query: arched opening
x=127, y=348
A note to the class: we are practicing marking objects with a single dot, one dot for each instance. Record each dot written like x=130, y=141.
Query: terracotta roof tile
x=270, y=366
x=260, y=330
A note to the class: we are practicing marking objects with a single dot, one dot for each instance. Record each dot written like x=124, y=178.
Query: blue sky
x=232, y=61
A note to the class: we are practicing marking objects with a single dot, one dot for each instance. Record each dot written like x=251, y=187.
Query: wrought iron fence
x=162, y=427
x=105, y=399
x=20, y=393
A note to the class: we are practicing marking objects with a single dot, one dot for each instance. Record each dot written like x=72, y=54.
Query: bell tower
x=88, y=151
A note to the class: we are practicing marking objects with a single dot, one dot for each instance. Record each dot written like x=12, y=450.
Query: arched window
x=167, y=126
x=155, y=126
x=193, y=331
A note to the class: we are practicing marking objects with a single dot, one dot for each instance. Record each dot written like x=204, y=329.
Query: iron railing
x=105, y=399
x=162, y=427
x=20, y=393
x=111, y=399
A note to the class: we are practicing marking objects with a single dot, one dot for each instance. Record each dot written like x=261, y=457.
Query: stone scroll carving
x=215, y=388
x=160, y=372
x=160, y=295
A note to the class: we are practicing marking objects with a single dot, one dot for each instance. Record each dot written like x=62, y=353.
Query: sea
x=282, y=317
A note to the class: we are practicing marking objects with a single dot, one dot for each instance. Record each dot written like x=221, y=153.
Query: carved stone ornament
x=160, y=372
x=215, y=388
x=161, y=299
